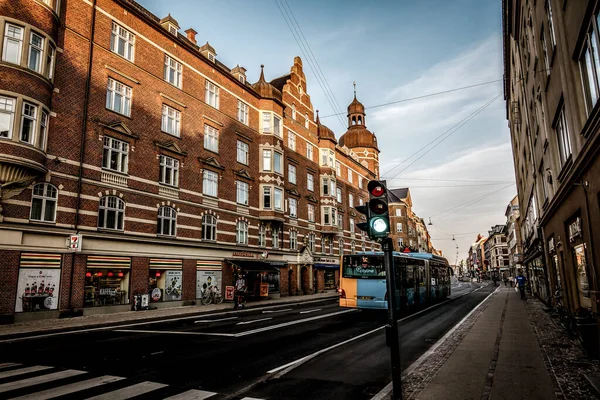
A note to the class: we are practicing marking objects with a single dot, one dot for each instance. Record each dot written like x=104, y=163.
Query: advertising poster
x=208, y=278
x=37, y=289
x=229, y=292
x=173, y=285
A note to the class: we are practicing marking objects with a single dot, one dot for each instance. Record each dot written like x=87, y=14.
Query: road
x=229, y=355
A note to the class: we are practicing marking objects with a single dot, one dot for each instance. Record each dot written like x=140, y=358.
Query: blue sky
x=394, y=50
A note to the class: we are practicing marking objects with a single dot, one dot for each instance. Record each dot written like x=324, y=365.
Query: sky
x=452, y=150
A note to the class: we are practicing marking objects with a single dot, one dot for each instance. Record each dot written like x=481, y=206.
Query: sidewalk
x=505, y=349
x=93, y=321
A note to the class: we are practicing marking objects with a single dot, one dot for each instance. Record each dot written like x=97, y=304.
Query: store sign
x=156, y=294
x=229, y=292
x=325, y=260
x=108, y=292
x=575, y=229
x=37, y=289
x=75, y=243
x=243, y=254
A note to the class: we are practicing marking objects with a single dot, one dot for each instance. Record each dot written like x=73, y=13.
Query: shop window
x=106, y=287
x=165, y=284
x=207, y=278
x=581, y=265
x=43, y=202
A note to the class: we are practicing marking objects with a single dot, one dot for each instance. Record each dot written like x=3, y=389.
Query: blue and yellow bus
x=421, y=279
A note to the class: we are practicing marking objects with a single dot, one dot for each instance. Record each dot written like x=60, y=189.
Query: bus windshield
x=359, y=266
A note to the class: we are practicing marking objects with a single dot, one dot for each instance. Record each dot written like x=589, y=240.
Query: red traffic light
x=376, y=188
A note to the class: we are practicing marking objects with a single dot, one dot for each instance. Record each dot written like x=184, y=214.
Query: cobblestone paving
x=564, y=357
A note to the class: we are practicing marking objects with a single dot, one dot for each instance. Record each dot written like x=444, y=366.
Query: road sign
x=75, y=243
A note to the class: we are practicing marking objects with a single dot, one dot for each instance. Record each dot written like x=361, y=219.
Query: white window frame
x=275, y=238
x=262, y=236
x=118, y=149
x=293, y=207
x=341, y=247
x=292, y=174
x=241, y=232
x=211, y=138
x=242, y=112
x=590, y=65
x=278, y=199
x=50, y=57
x=311, y=242
x=118, y=34
x=350, y=178
x=309, y=151
x=111, y=204
x=13, y=40
x=293, y=240
x=169, y=171
x=166, y=223
x=43, y=132
x=45, y=193
x=210, y=183
x=292, y=140
x=267, y=193
x=350, y=200
x=209, y=227
x=171, y=121
x=338, y=194
x=399, y=227
x=211, y=94
x=398, y=212
x=549, y=16
x=360, y=182
x=352, y=225
x=269, y=163
x=32, y=117
x=242, y=152
x=242, y=190
x=310, y=182
x=38, y=50
x=8, y=107
x=338, y=168
x=118, y=97
x=173, y=71
x=311, y=212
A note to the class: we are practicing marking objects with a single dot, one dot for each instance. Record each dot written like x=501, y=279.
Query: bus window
x=361, y=266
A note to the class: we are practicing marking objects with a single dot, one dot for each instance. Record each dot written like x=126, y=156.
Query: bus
x=421, y=279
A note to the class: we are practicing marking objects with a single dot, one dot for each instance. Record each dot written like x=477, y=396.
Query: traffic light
x=376, y=211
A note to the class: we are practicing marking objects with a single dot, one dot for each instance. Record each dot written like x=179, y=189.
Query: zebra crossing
x=40, y=382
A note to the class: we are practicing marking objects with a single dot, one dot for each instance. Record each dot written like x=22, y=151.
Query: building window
x=242, y=192
x=211, y=94
x=50, y=55
x=351, y=225
x=311, y=242
x=338, y=194
x=267, y=160
x=28, y=123
x=209, y=227
x=293, y=240
x=562, y=133
x=173, y=71
x=360, y=182
x=550, y=24
x=329, y=214
x=398, y=212
x=7, y=116
x=121, y=42
x=322, y=244
x=36, y=49
x=111, y=212
x=278, y=199
x=241, y=232
x=276, y=126
x=277, y=162
x=338, y=168
x=275, y=238
x=341, y=247
x=293, y=208
x=294, y=112
x=327, y=158
x=169, y=171
x=306, y=121
x=311, y=213
x=291, y=141
x=272, y=161
x=43, y=129
x=267, y=197
x=13, y=43
x=353, y=247
x=310, y=182
x=118, y=97
x=590, y=66
x=242, y=152
x=115, y=155
x=363, y=247
x=211, y=138
x=43, y=203
x=399, y=227
x=350, y=200
x=349, y=175
x=292, y=174
x=167, y=219
x=309, y=151
x=400, y=244
x=361, y=202
x=271, y=123
x=171, y=120
x=328, y=185
x=210, y=182
x=266, y=122
x=242, y=112
x=262, y=236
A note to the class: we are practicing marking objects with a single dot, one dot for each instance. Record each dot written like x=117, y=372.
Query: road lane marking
x=253, y=321
x=384, y=393
x=215, y=320
x=22, y=371
x=175, y=332
x=115, y=327
x=7, y=387
x=8, y=365
x=68, y=389
x=309, y=311
x=276, y=311
x=192, y=395
x=130, y=391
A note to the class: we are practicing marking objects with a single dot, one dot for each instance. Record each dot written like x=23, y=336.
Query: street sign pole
x=391, y=329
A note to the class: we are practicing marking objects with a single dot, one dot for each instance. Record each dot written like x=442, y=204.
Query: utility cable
x=477, y=200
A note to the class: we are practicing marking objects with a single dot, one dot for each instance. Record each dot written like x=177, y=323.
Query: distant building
x=407, y=230
x=496, y=251
x=513, y=232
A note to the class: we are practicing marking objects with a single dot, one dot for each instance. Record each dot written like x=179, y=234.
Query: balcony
x=114, y=179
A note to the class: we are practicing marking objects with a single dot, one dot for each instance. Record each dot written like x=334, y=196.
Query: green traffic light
x=379, y=225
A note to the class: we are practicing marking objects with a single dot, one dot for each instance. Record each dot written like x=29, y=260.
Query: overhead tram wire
x=460, y=205
x=425, y=96
x=453, y=180
x=450, y=134
x=436, y=138
x=303, y=49
x=477, y=200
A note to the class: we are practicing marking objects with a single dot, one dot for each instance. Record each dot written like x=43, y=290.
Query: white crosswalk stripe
x=129, y=391
x=8, y=365
x=68, y=389
x=23, y=383
x=192, y=395
x=21, y=371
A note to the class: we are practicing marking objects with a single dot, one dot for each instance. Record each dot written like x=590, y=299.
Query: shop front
x=165, y=280
x=262, y=277
x=326, y=274
x=38, y=284
x=106, y=281
x=208, y=274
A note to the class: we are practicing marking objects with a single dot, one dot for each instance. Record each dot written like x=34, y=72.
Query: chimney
x=191, y=35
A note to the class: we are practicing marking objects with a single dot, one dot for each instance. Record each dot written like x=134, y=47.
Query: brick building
x=172, y=168
x=496, y=251
x=407, y=229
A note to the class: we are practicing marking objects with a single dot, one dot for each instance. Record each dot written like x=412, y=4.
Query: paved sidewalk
x=47, y=325
x=495, y=353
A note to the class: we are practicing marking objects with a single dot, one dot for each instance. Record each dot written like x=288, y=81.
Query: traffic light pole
x=391, y=329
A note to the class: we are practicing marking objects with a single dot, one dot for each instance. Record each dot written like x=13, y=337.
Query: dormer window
x=242, y=79
x=172, y=30
x=211, y=56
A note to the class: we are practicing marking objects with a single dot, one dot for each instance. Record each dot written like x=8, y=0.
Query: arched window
x=111, y=213
x=353, y=120
x=293, y=111
x=43, y=203
x=262, y=236
x=359, y=120
x=167, y=220
x=241, y=232
x=275, y=238
x=209, y=227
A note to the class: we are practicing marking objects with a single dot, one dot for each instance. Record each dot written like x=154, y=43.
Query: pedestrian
x=505, y=281
x=240, y=291
x=521, y=281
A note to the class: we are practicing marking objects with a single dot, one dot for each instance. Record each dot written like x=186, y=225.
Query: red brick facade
x=81, y=172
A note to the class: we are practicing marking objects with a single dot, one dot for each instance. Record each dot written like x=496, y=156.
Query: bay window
x=13, y=43
x=272, y=160
x=28, y=123
x=7, y=116
x=271, y=123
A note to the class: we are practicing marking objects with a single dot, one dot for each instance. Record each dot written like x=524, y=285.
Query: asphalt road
x=230, y=355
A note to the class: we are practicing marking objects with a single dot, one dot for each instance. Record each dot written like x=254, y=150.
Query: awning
x=40, y=260
x=209, y=265
x=328, y=266
x=165, y=263
x=108, y=262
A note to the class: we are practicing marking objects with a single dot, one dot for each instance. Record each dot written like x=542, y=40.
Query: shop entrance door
x=305, y=280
